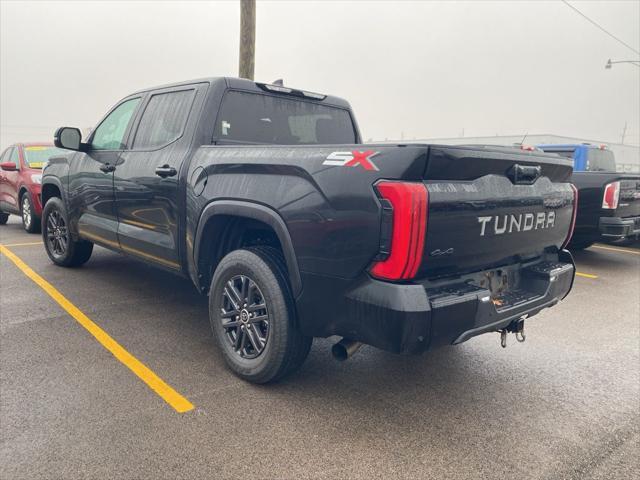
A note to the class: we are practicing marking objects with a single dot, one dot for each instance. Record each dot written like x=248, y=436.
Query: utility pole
x=624, y=132
x=247, y=38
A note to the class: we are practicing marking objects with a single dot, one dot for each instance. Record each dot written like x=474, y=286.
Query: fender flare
x=50, y=180
x=258, y=212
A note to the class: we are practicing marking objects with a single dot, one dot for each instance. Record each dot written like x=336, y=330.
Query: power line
x=600, y=27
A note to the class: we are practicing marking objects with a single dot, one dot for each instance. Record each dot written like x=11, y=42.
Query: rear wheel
x=62, y=249
x=253, y=318
x=3, y=218
x=30, y=222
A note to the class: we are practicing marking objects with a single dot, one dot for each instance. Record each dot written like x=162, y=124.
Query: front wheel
x=253, y=318
x=62, y=249
x=3, y=218
x=30, y=222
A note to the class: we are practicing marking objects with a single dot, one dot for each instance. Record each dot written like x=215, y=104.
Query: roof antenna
x=278, y=82
x=524, y=138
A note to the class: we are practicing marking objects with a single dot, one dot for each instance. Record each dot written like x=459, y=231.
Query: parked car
x=20, y=178
x=609, y=202
x=265, y=197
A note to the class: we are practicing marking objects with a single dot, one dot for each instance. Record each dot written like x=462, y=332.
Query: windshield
x=36, y=156
x=600, y=160
x=562, y=153
x=254, y=118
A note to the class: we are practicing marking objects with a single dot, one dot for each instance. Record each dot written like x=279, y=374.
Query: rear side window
x=266, y=119
x=164, y=119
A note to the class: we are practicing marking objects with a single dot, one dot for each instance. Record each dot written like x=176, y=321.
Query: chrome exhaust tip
x=345, y=349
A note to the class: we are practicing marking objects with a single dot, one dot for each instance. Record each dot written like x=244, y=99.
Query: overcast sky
x=414, y=69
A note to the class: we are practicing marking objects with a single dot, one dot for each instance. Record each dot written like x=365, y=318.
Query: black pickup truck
x=264, y=197
x=609, y=208
x=609, y=202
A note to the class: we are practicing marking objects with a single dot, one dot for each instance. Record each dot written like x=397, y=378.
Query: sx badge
x=352, y=159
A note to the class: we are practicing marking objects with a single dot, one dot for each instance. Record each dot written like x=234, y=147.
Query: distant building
x=627, y=156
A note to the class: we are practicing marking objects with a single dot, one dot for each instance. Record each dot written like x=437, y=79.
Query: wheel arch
x=21, y=191
x=225, y=215
x=52, y=188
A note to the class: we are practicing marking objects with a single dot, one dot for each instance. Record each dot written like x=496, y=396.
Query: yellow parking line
x=618, y=249
x=586, y=275
x=178, y=402
x=22, y=244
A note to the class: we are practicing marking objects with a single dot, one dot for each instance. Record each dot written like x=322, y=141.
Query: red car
x=20, y=178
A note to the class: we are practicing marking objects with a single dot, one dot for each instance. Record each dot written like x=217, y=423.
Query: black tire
x=30, y=222
x=285, y=348
x=62, y=249
x=3, y=218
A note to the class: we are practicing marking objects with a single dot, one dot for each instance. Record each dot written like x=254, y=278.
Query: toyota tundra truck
x=266, y=199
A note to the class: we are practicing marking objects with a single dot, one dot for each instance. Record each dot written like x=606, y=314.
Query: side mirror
x=8, y=166
x=68, y=138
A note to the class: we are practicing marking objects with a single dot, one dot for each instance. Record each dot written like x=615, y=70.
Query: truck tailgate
x=629, y=200
x=496, y=218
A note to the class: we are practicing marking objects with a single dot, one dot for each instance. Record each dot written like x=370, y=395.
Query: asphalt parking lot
x=565, y=404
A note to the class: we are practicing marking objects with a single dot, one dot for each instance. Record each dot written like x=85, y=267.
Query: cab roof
x=246, y=85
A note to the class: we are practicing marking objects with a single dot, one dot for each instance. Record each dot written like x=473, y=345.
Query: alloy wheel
x=57, y=234
x=245, y=316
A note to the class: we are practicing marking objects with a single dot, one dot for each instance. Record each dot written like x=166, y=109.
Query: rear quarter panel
x=331, y=212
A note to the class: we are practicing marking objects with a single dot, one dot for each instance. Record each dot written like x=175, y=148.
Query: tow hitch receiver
x=516, y=327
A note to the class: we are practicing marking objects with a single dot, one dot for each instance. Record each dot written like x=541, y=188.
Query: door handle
x=107, y=168
x=166, y=171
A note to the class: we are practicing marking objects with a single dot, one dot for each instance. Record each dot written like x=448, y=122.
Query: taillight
x=574, y=213
x=409, y=226
x=611, y=196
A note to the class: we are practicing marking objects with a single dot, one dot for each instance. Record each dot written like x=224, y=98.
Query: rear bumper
x=619, y=228
x=413, y=318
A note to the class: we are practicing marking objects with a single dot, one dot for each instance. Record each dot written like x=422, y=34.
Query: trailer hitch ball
x=516, y=327
x=520, y=335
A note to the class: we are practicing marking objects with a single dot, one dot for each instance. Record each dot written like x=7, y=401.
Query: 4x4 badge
x=352, y=159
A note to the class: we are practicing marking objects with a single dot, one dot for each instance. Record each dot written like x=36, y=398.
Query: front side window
x=267, y=119
x=164, y=119
x=110, y=133
x=15, y=157
x=5, y=155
